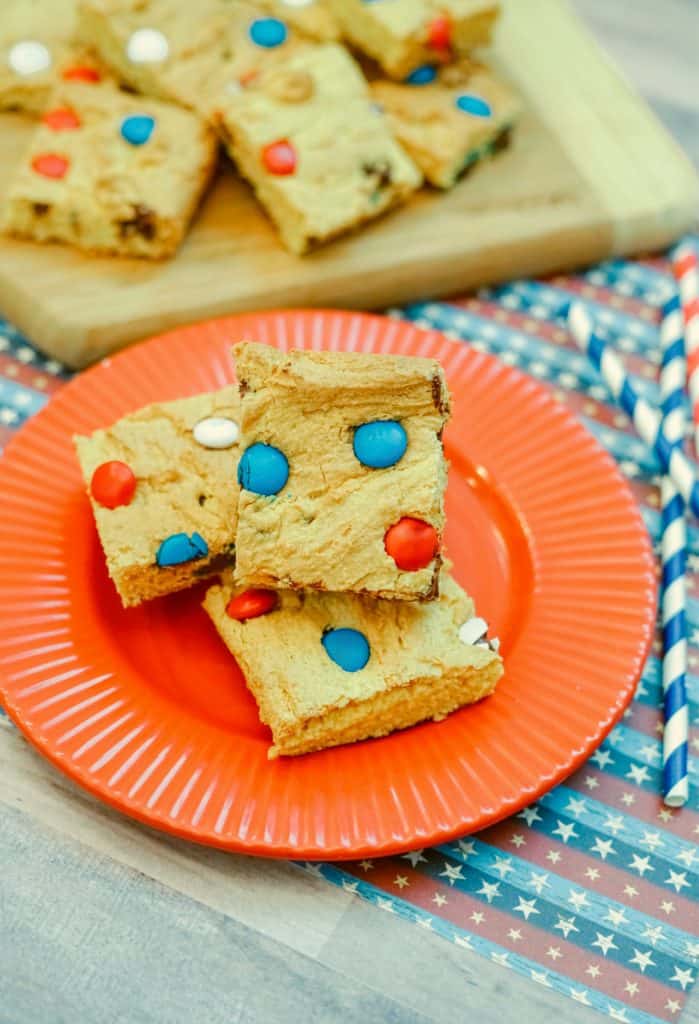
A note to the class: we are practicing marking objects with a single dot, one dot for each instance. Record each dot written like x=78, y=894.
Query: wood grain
x=590, y=173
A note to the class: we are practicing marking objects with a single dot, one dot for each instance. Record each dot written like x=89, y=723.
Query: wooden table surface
x=102, y=920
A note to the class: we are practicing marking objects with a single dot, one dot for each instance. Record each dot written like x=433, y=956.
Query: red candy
x=279, y=157
x=51, y=165
x=439, y=34
x=81, y=73
x=250, y=604
x=61, y=119
x=113, y=484
x=411, y=543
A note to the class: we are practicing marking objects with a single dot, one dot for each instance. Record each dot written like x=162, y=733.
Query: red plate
x=146, y=709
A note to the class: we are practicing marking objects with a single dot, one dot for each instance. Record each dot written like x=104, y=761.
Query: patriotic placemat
x=594, y=890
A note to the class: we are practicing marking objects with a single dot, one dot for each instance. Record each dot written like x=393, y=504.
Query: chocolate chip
x=40, y=209
x=202, y=499
x=502, y=141
x=381, y=170
x=438, y=395
x=433, y=592
x=217, y=564
x=142, y=222
x=243, y=387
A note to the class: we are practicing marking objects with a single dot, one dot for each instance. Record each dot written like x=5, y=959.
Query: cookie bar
x=110, y=172
x=461, y=115
x=189, y=54
x=403, y=35
x=320, y=158
x=327, y=669
x=342, y=473
x=35, y=51
x=163, y=490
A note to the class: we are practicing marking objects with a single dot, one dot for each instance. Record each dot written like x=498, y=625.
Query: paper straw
x=674, y=559
x=647, y=420
x=685, y=266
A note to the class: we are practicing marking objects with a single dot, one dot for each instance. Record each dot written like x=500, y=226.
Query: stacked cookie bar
x=315, y=492
x=327, y=141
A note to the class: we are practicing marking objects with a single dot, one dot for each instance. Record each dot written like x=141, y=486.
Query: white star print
x=642, y=959
x=415, y=857
x=467, y=847
x=425, y=922
x=385, y=904
x=651, y=840
x=591, y=782
x=463, y=940
x=604, y=942
x=477, y=917
x=667, y=906
x=503, y=866
x=490, y=890
x=651, y=751
x=639, y=773
x=593, y=970
x=526, y=907
x=313, y=869
x=530, y=815
x=654, y=934
x=439, y=899
x=631, y=987
x=565, y=831
x=628, y=798
x=541, y=977
x=578, y=899
x=677, y=879
x=580, y=996
x=592, y=874
x=401, y=881
x=692, y=949
x=566, y=925
x=687, y=857
x=682, y=978
x=603, y=847
x=554, y=856
x=618, y=1014
x=366, y=865
x=630, y=891
x=614, y=822
x=576, y=807
x=641, y=864
x=25, y=355
x=673, y=1006
x=514, y=934
x=350, y=886
x=8, y=416
x=518, y=840
x=452, y=872
x=617, y=917
x=538, y=882
x=500, y=958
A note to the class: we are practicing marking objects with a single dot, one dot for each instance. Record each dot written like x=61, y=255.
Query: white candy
x=29, y=57
x=147, y=46
x=473, y=630
x=216, y=432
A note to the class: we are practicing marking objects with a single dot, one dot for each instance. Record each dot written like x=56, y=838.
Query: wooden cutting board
x=591, y=173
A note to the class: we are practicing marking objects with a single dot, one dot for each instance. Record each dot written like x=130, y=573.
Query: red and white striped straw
x=685, y=266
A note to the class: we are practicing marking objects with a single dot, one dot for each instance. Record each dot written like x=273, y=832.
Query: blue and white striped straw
x=647, y=420
x=674, y=559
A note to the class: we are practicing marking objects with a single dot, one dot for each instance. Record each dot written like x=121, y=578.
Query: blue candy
x=380, y=443
x=268, y=32
x=423, y=75
x=137, y=128
x=263, y=469
x=179, y=548
x=348, y=648
x=473, y=105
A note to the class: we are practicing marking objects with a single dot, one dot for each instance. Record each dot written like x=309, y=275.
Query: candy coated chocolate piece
x=137, y=129
x=81, y=73
x=216, y=432
x=147, y=46
x=411, y=543
x=263, y=469
x=251, y=603
x=179, y=548
x=28, y=57
x=380, y=443
x=279, y=157
x=50, y=165
x=61, y=119
x=473, y=105
x=348, y=648
x=113, y=484
x=268, y=32
x=473, y=630
x=439, y=33
x=423, y=75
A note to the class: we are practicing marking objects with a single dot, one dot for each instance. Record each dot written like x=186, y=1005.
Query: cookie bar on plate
x=342, y=473
x=162, y=482
x=327, y=669
x=320, y=158
x=111, y=173
x=450, y=118
x=186, y=53
x=404, y=34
